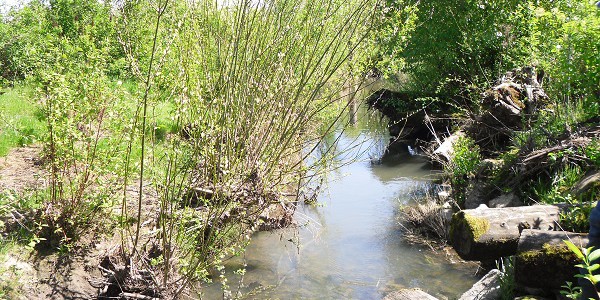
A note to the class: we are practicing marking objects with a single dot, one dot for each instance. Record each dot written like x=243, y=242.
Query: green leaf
x=574, y=249
x=594, y=278
x=593, y=267
x=594, y=255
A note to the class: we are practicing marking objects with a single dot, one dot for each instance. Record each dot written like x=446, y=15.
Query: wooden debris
x=491, y=233
x=541, y=253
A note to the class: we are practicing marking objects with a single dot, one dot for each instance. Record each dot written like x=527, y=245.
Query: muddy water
x=350, y=245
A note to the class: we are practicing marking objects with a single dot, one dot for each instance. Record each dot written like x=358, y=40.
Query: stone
x=588, y=182
x=409, y=294
x=475, y=196
x=488, y=288
x=505, y=200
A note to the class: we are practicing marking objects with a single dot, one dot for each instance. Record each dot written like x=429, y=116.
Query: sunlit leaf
x=594, y=255
x=574, y=249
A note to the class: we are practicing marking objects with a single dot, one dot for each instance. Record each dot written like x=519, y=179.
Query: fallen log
x=491, y=233
x=409, y=294
x=444, y=152
x=543, y=261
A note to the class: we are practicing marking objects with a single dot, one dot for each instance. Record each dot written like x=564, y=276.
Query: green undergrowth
x=21, y=120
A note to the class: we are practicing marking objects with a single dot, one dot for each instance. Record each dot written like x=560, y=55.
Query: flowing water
x=350, y=245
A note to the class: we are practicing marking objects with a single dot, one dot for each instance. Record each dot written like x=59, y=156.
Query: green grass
x=21, y=121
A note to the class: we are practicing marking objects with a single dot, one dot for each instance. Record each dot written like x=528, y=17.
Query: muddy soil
x=28, y=274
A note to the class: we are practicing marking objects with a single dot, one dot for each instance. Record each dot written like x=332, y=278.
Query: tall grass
x=20, y=120
x=246, y=81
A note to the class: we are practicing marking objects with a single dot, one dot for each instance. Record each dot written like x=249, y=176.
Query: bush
x=466, y=158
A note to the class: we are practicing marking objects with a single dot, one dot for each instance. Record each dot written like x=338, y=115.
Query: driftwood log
x=543, y=261
x=491, y=233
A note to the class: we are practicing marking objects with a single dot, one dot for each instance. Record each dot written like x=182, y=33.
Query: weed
x=592, y=151
x=557, y=189
x=570, y=291
x=428, y=219
x=507, y=278
x=577, y=216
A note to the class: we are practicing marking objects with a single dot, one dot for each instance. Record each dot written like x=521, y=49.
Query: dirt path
x=21, y=170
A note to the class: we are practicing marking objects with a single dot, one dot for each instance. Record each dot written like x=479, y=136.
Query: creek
x=350, y=246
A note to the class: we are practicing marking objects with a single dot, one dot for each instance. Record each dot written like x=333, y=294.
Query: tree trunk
x=491, y=233
x=543, y=260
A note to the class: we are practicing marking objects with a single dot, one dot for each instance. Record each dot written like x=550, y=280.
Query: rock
x=476, y=195
x=588, y=182
x=409, y=294
x=505, y=200
x=488, y=288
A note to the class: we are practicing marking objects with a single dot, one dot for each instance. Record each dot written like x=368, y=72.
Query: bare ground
x=21, y=170
x=28, y=274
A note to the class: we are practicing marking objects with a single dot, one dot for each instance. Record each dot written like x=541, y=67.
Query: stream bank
x=517, y=148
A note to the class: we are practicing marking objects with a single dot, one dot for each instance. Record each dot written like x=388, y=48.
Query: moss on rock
x=533, y=267
x=548, y=253
x=477, y=226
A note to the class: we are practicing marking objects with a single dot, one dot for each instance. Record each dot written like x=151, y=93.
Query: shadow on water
x=350, y=245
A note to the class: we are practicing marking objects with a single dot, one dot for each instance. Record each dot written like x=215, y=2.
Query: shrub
x=466, y=158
